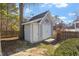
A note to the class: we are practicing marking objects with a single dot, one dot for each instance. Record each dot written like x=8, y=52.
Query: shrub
x=69, y=47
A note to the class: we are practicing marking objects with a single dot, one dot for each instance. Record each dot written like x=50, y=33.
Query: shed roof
x=38, y=16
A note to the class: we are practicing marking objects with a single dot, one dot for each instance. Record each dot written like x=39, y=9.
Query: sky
x=65, y=11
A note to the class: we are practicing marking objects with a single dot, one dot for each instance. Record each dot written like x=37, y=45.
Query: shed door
x=27, y=32
x=46, y=29
x=35, y=32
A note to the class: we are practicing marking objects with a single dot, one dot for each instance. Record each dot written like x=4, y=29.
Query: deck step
x=49, y=40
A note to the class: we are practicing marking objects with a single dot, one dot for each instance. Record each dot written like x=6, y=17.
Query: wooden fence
x=9, y=34
x=69, y=34
x=9, y=23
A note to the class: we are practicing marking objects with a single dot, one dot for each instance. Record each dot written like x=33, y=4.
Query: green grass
x=69, y=47
x=49, y=47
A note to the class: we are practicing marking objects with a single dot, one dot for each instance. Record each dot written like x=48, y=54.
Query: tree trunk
x=0, y=33
x=21, y=34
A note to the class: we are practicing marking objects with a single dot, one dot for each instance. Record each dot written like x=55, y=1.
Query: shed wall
x=27, y=32
x=35, y=32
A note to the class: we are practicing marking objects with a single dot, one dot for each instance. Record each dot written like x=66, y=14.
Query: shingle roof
x=38, y=16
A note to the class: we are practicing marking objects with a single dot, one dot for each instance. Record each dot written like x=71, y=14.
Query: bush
x=69, y=47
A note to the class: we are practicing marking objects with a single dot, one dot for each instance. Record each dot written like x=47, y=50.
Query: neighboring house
x=38, y=28
x=76, y=23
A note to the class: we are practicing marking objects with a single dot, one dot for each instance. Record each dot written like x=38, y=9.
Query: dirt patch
x=31, y=52
x=8, y=47
x=21, y=48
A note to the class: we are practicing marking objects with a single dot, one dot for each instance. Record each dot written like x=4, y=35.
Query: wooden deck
x=7, y=39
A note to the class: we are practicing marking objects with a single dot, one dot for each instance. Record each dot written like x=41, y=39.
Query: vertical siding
x=40, y=32
x=46, y=28
x=31, y=33
x=35, y=32
x=51, y=21
x=27, y=32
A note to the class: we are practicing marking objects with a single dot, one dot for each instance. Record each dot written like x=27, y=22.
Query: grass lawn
x=50, y=48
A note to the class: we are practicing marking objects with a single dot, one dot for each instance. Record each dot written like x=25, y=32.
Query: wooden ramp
x=7, y=39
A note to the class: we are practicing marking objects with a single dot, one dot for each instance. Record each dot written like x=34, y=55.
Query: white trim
x=31, y=21
x=35, y=20
x=44, y=17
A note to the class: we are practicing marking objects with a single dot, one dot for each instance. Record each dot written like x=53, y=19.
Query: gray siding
x=31, y=33
x=35, y=32
x=38, y=31
x=27, y=32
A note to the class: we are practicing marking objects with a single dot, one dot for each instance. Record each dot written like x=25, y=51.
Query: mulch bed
x=8, y=47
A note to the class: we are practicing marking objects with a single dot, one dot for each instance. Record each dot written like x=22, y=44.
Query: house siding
x=77, y=25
